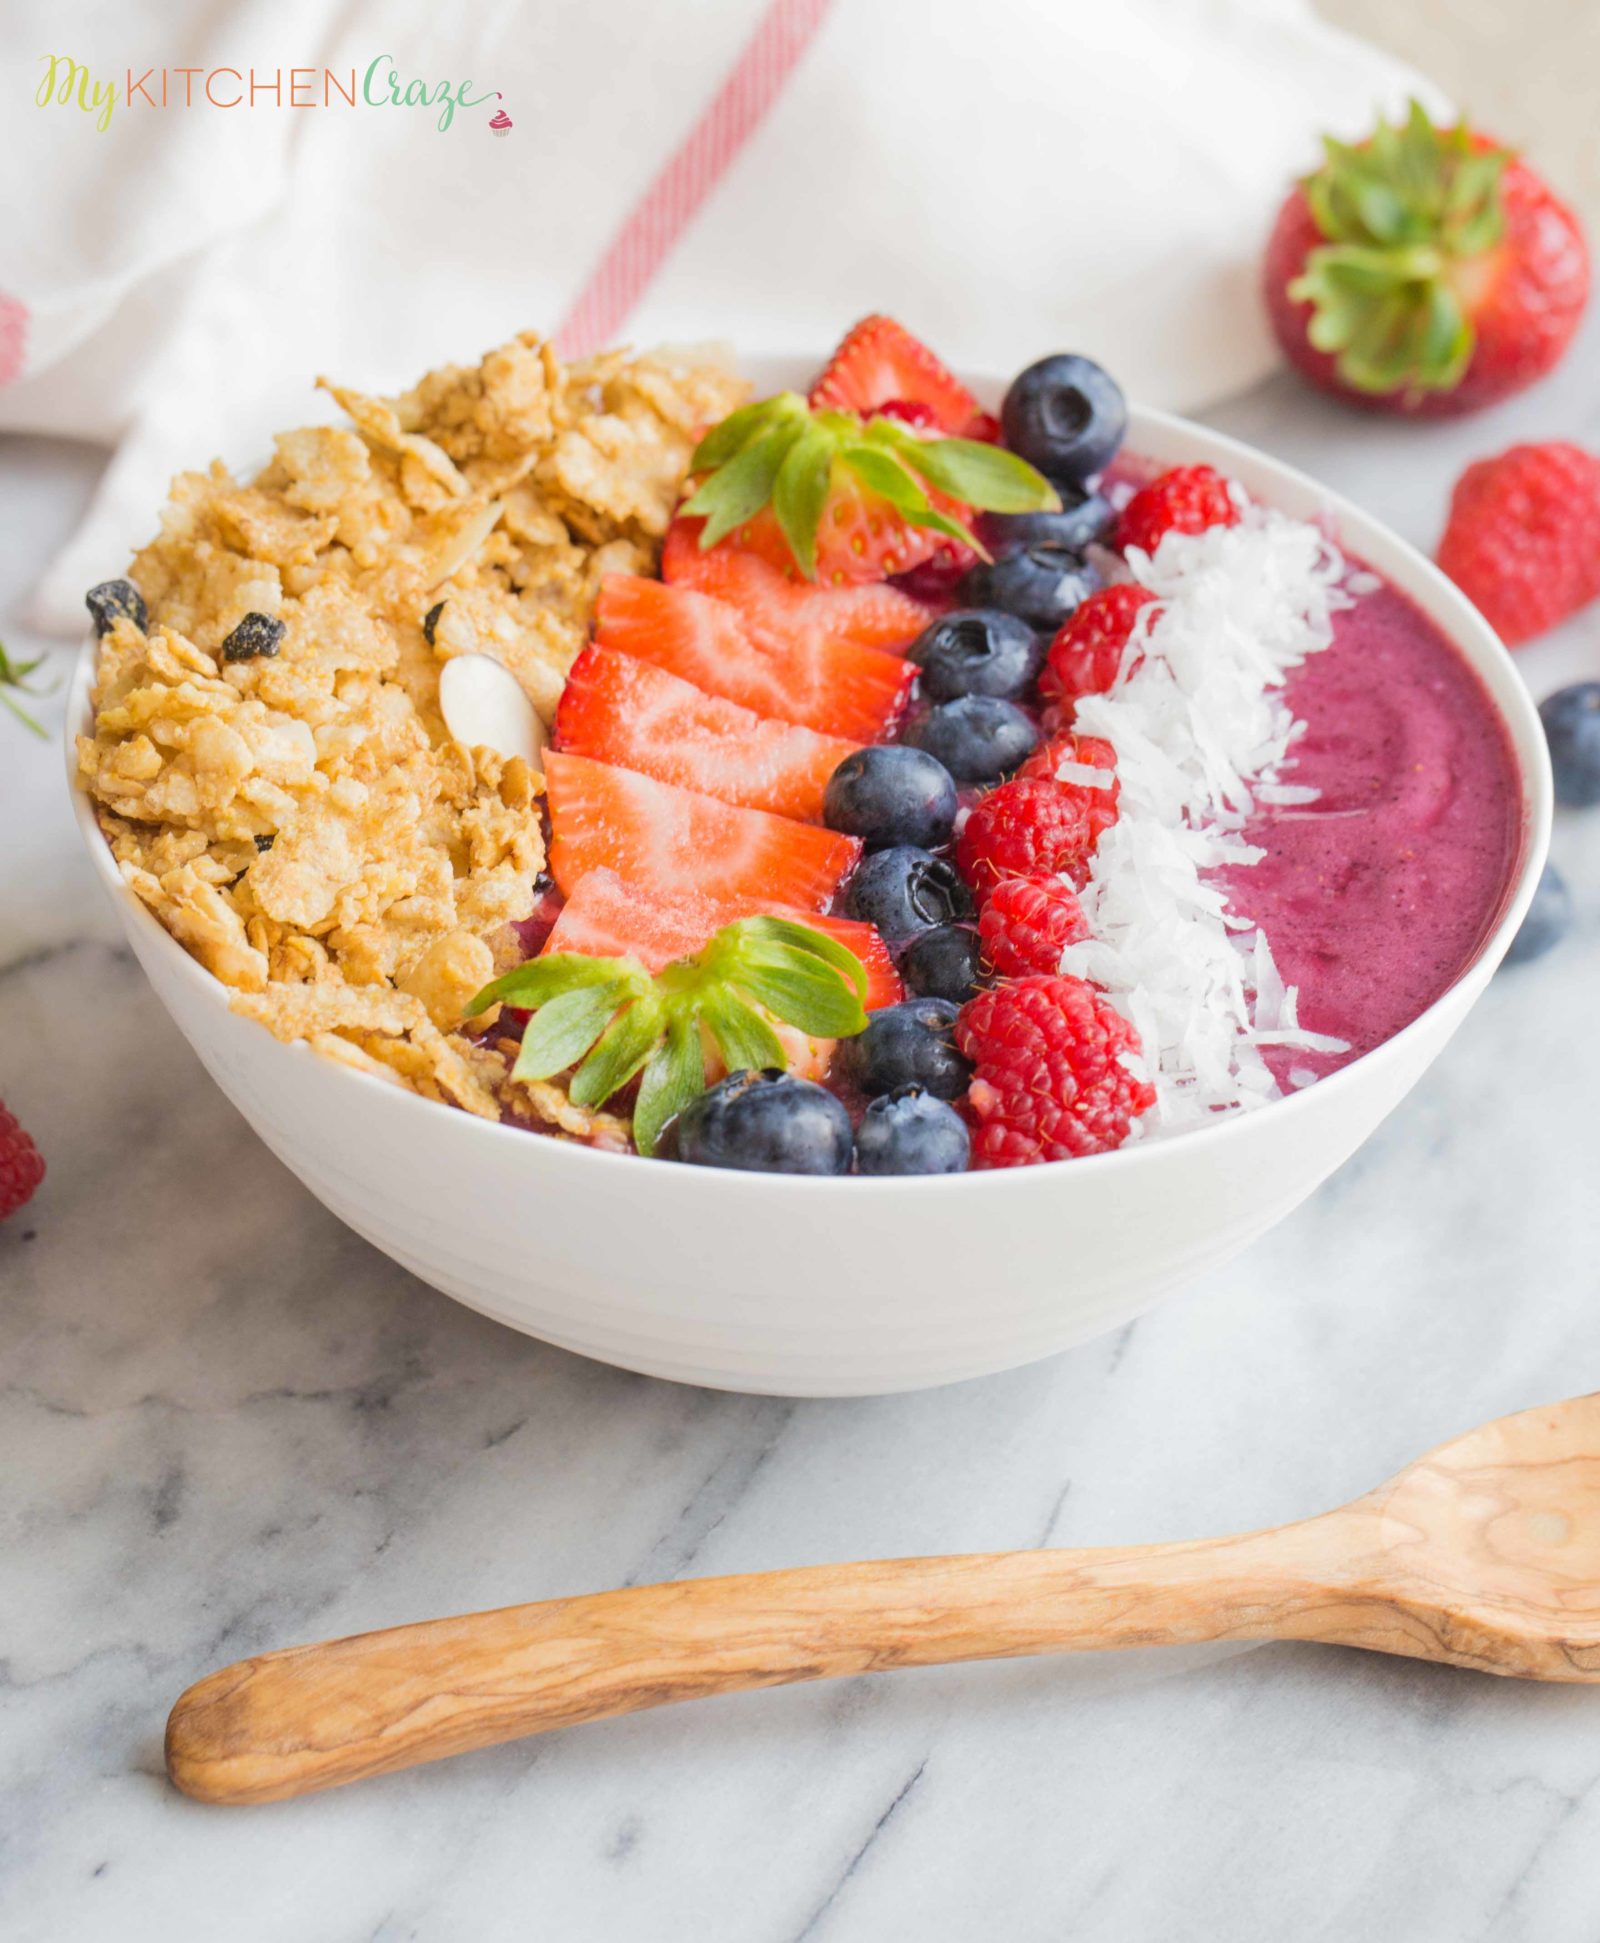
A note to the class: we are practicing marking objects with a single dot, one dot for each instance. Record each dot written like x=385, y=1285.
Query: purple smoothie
x=1376, y=896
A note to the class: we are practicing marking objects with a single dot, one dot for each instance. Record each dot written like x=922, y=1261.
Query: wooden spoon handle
x=314, y=1717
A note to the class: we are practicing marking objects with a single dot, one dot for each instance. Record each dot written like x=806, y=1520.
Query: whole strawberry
x=21, y=1165
x=1523, y=538
x=1424, y=270
x=1049, y=1082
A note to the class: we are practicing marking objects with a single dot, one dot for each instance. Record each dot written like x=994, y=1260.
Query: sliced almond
x=459, y=532
x=484, y=708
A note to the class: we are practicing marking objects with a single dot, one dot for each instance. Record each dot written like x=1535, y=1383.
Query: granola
x=269, y=763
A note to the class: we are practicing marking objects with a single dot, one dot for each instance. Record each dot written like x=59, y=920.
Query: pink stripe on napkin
x=13, y=337
x=646, y=238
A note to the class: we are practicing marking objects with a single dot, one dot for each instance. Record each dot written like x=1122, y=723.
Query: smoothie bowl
x=979, y=947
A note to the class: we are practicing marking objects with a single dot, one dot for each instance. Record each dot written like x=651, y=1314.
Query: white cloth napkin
x=1008, y=178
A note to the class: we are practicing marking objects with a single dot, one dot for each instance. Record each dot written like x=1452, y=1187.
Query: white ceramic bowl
x=807, y=1287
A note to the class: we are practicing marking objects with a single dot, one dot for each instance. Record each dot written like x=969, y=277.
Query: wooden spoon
x=1485, y=1554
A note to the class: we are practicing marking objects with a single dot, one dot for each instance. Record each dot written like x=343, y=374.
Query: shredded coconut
x=1202, y=735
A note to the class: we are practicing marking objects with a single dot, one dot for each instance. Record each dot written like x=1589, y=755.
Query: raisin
x=430, y=620
x=113, y=601
x=256, y=634
x=266, y=842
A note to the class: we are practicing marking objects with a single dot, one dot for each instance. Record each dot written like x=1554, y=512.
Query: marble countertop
x=227, y=1424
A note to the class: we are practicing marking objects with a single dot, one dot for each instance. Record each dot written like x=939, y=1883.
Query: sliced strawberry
x=822, y=682
x=607, y=918
x=619, y=709
x=676, y=841
x=780, y=610
x=881, y=363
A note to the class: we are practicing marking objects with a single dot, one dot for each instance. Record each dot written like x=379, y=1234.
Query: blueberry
x=903, y=890
x=1548, y=917
x=256, y=634
x=1042, y=585
x=891, y=794
x=1571, y=718
x=978, y=738
x=943, y=963
x=765, y=1123
x=977, y=651
x=1066, y=416
x=908, y=1131
x=1084, y=518
x=116, y=600
x=910, y=1044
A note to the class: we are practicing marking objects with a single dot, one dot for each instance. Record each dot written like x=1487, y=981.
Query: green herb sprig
x=611, y=1015
x=779, y=451
x=14, y=675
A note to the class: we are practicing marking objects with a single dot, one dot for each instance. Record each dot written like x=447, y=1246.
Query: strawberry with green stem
x=614, y=1022
x=1425, y=270
x=846, y=499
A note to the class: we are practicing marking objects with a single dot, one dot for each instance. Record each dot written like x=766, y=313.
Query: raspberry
x=911, y=411
x=21, y=1165
x=937, y=580
x=1049, y=1082
x=1523, y=538
x=1092, y=753
x=1027, y=923
x=1086, y=655
x=1028, y=827
x=985, y=428
x=1186, y=500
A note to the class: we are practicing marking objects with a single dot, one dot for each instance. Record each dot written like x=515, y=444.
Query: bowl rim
x=1445, y=605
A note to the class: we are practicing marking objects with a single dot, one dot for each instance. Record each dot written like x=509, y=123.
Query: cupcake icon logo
x=499, y=122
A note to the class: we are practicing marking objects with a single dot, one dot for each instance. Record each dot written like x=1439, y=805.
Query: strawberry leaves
x=732, y=434
x=676, y=1073
x=781, y=452
x=887, y=476
x=620, y=1052
x=613, y=1022
x=1401, y=214
x=745, y=1040
x=982, y=475
x=799, y=494
x=740, y=488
